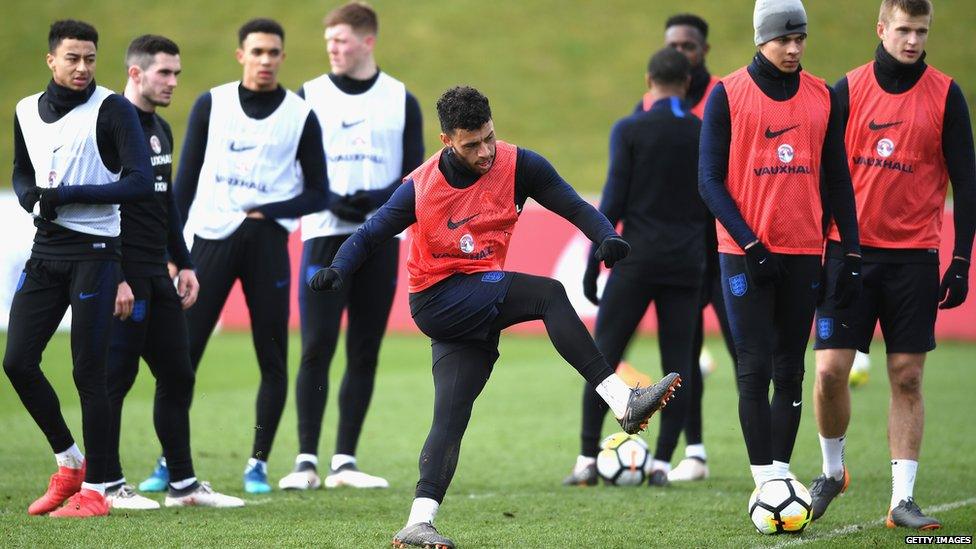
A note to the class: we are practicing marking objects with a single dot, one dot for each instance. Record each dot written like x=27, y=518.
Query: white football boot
x=126, y=497
x=202, y=496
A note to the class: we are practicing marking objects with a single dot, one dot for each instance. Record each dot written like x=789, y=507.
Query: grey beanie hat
x=775, y=18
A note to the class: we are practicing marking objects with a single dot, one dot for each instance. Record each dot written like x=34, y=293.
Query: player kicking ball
x=461, y=206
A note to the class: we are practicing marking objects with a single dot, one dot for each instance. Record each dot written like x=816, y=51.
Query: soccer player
x=770, y=131
x=908, y=133
x=373, y=136
x=150, y=319
x=78, y=153
x=652, y=186
x=252, y=164
x=688, y=33
x=461, y=206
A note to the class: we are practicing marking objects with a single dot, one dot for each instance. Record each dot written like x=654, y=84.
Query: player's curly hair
x=690, y=20
x=462, y=108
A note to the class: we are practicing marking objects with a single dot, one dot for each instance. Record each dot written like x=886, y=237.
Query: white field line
x=850, y=529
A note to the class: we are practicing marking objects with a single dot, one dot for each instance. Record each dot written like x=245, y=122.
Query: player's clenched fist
x=325, y=280
x=612, y=250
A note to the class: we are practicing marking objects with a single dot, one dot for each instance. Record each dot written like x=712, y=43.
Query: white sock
x=615, y=393
x=902, y=480
x=662, y=465
x=119, y=482
x=422, y=510
x=338, y=460
x=71, y=458
x=162, y=461
x=781, y=469
x=833, y=456
x=582, y=462
x=100, y=487
x=762, y=473
x=255, y=462
x=696, y=451
x=183, y=484
x=307, y=458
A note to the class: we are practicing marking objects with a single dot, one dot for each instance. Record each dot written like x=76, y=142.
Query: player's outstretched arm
x=390, y=220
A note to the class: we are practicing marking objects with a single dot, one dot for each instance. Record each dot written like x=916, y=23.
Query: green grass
x=558, y=73
x=521, y=441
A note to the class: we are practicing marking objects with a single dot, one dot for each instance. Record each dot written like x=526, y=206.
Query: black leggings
x=156, y=331
x=367, y=296
x=461, y=369
x=711, y=293
x=623, y=305
x=771, y=328
x=45, y=291
x=257, y=254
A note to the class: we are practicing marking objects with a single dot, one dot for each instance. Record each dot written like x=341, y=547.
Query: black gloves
x=955, y=284
x=589, y=281
x=849, y=282
x=49, y=202
x=325, y=280
x=612, y=250
x=345, y=211
x=352, y=207
x=48, y=199
x=30, y=198
x=763, y=266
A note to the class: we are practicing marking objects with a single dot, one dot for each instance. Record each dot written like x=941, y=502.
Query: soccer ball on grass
x=623, y=460
x=780, y=506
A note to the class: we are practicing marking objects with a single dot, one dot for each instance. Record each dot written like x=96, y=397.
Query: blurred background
x=558, y=73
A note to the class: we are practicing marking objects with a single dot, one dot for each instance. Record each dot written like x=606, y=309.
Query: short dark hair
x=70, y=28
x=463, y=108
x=912, y=8
x=690, y=20
x=358, y=15
x=669, y=67
x=261, y=24
x=144, y=48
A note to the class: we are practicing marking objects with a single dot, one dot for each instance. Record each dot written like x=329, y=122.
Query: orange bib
x=894, y=145
x=774, y=164
x=461, y=230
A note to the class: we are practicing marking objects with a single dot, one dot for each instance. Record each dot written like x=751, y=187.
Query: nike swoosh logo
x=56, y=149
x=771, y=134
x=455, y=224
x=281, y=283
x=351, y=124
x=873, y=126
x=84, y=296
x=761, y=261
x=234, y=147
x=790, y=26
x=797, y=403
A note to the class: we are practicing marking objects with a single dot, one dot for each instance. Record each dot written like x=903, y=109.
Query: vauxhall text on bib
x=363, y=139
x=774, y=164
x=248, y=163
x=894, y=145
x=461, y=230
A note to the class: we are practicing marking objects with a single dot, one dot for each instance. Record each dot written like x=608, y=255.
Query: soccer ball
x=779, y=506
x=623, y=460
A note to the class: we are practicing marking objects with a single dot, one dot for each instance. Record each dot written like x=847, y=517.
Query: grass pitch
x=523, y=438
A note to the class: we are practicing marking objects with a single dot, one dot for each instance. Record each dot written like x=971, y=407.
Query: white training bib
x=247, y=163
x=65, y=152
x=363, y=139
